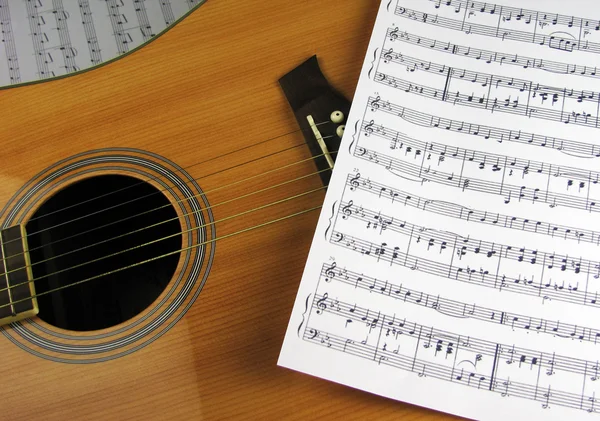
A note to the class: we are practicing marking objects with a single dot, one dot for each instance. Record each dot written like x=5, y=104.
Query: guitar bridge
x=17, y=293
x=319, y=110
x=320, y=141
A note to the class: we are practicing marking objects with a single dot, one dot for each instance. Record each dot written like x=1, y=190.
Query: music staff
x=509, y=192
x=142, y=16
x=454, y=210
x=413, y=64
x=480, y=274
x=401, y=142
x=89, y=27
x=122, y=37
x=511, y=103
x=9, y=42
x=444, y=242
x=500, y=135
x=167, y=12
x=559, y=32
x=392, y=340
x=467, y=169
x=487, y=56
x=375, y=319
x=66, y=47
x=544, y=92
x=39, y=36
x=459, y=309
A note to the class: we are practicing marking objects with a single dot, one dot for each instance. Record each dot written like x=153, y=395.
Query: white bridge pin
x=337, y=116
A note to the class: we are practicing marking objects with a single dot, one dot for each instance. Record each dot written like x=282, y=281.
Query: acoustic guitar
x=156, y=214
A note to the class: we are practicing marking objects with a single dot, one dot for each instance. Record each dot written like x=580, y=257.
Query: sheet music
x=456, y=261
x=43, y=39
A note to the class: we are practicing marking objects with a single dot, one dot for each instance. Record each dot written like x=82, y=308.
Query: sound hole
x=58, y=245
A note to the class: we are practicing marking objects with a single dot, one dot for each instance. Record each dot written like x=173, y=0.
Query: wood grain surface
x=205, y=88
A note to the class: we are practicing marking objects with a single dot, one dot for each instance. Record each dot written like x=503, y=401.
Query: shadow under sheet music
x=456, y=263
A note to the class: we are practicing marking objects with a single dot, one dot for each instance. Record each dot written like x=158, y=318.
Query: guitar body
x=205, y=344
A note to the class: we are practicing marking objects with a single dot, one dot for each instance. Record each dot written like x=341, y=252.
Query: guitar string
x=150, y=226
x=277, y=202
x=163, y=206
x=178, y=201
x=273, y=221
x=163, y=190
x=262, y=142
x=231, y=217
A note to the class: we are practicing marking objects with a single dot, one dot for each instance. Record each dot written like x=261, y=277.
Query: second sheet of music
x=456, y=264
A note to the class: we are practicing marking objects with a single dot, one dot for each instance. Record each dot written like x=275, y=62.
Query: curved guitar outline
x=109, y=61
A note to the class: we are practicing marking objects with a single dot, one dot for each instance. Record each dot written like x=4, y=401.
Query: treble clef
x=321, y=304
x=388, y=56
x=375, y=103
x=369, y=127
x=394, y=34
x=330, y=272
x=354, y=182
x=347, y=210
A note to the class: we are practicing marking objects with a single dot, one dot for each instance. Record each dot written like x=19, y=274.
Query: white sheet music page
x=456, y=263
x=45, y=39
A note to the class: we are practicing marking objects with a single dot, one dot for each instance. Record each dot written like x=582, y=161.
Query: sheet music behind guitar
x=456, y=262
x=44, y=39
